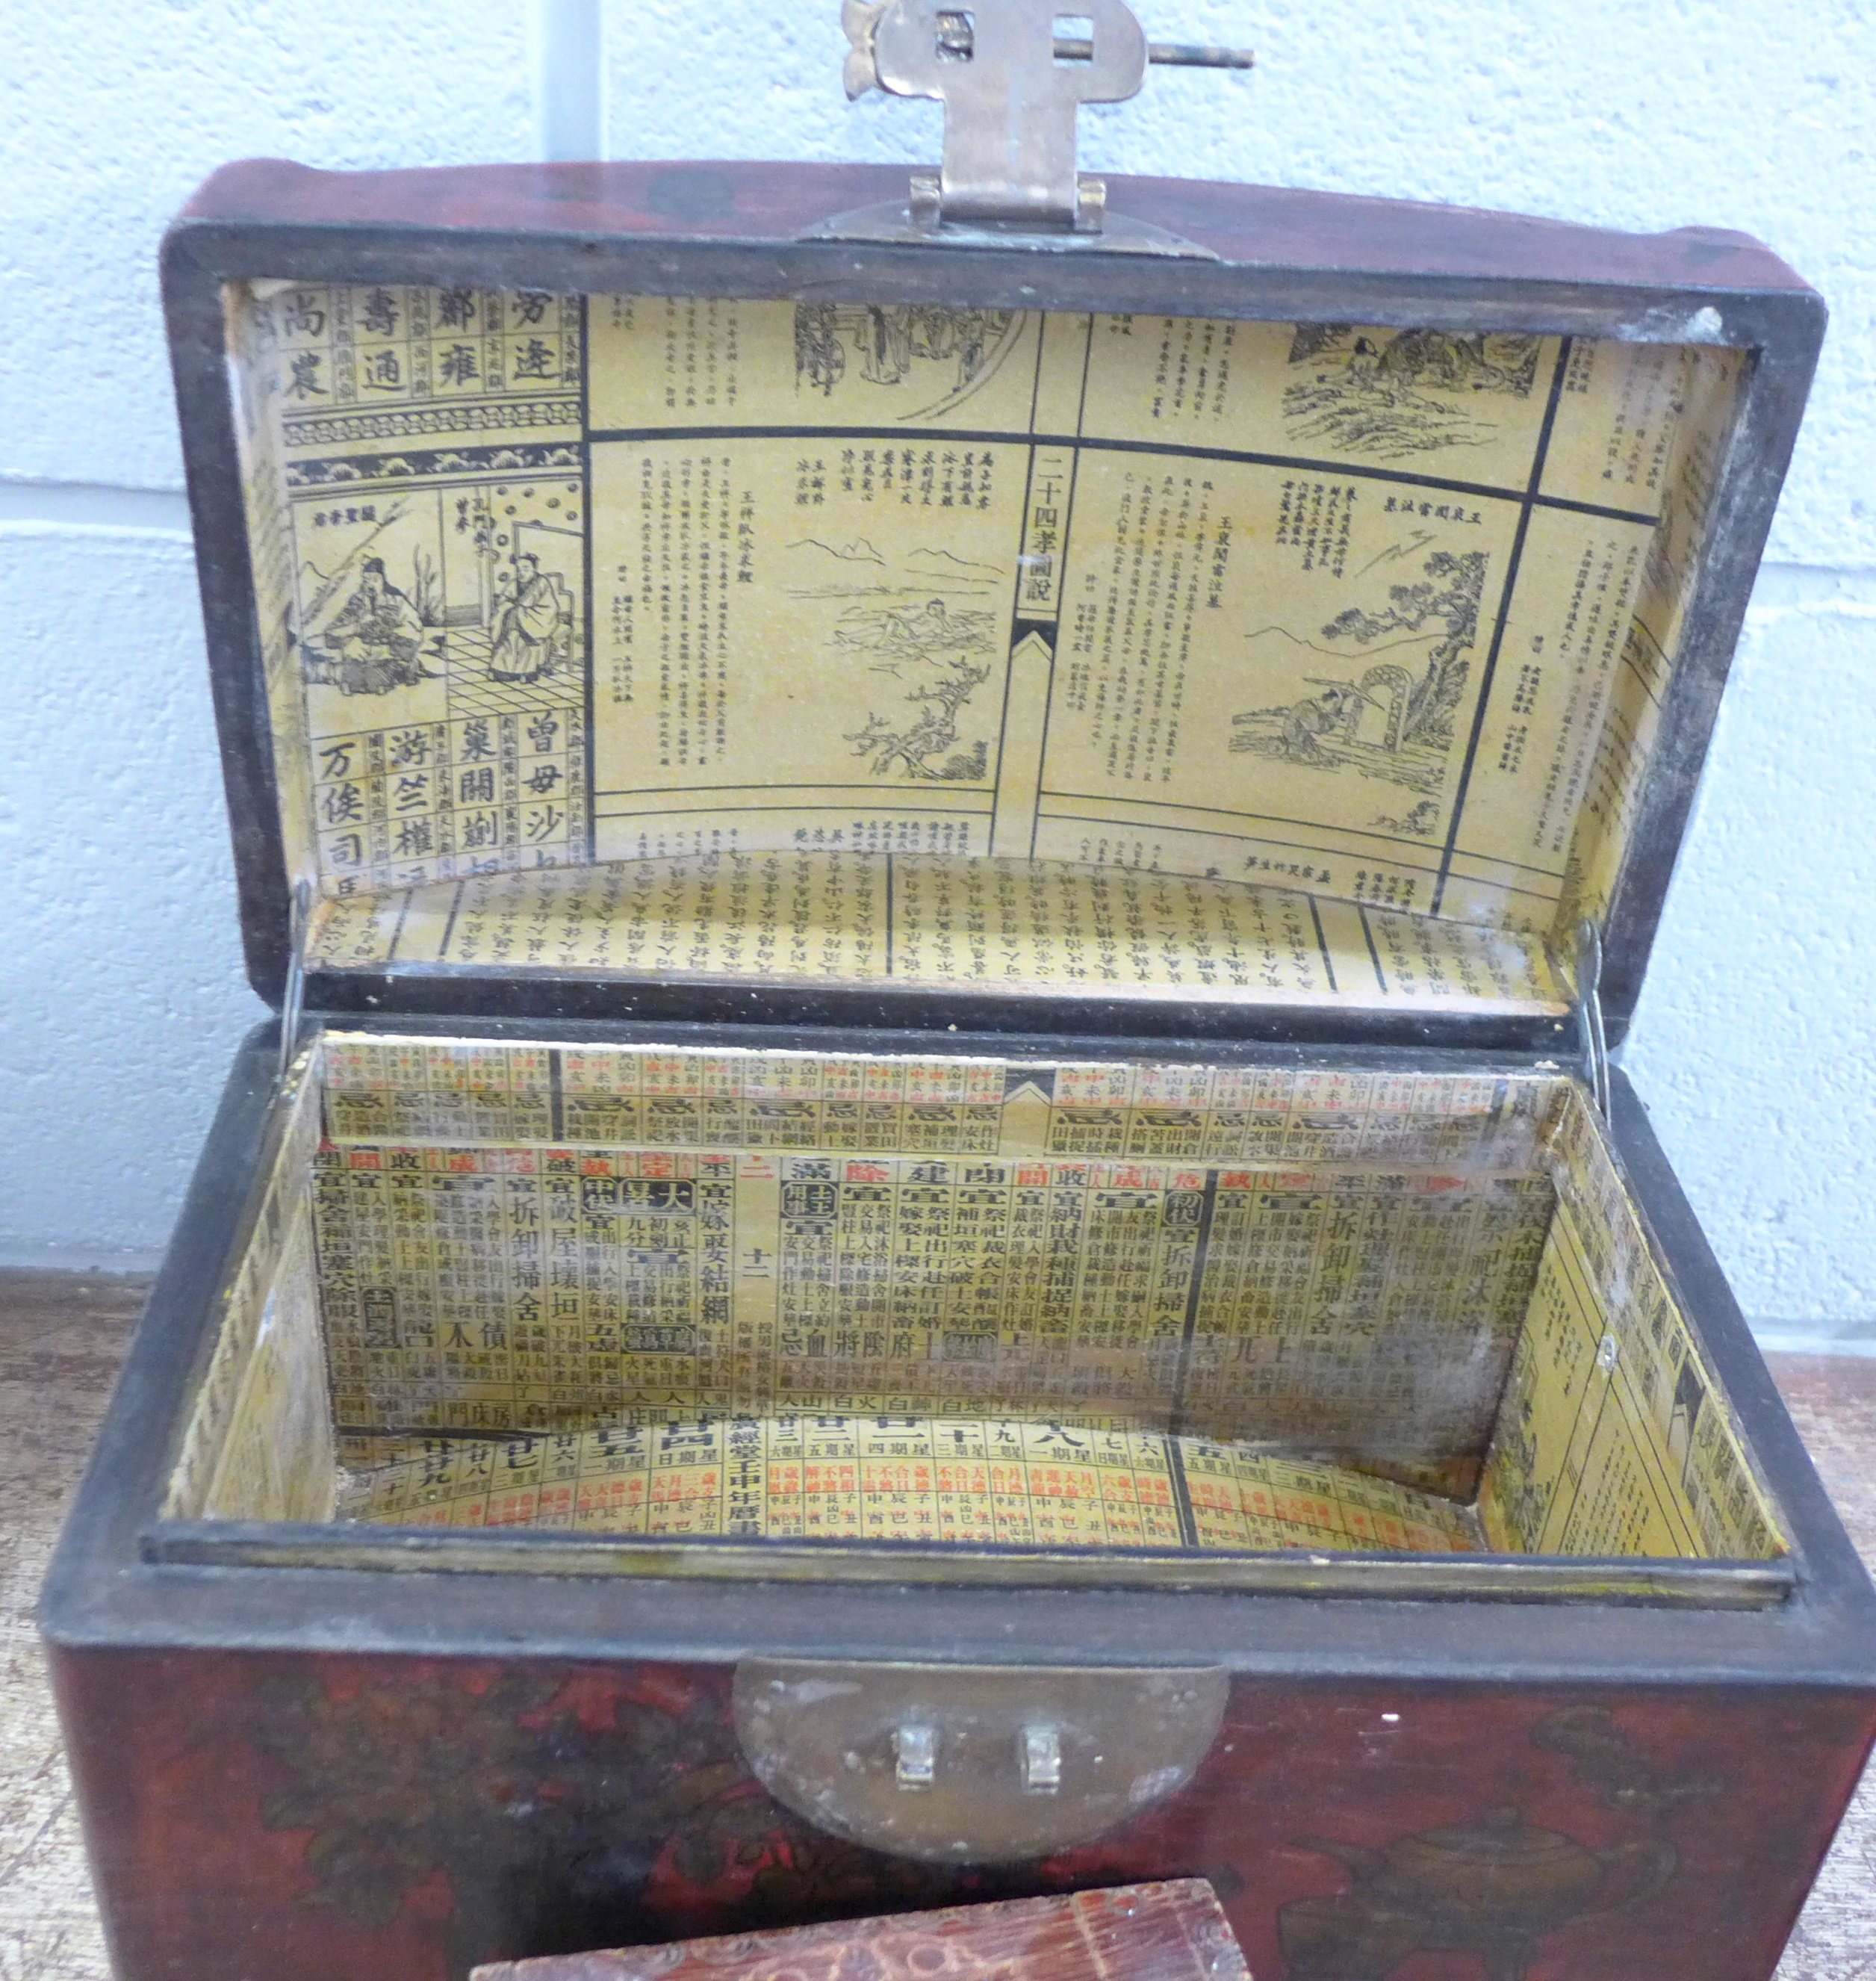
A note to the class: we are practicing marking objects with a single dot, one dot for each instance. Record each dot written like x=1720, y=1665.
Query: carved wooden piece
x=1173, y=1932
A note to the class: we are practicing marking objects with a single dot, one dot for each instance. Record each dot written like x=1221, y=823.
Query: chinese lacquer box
x=941, y=1216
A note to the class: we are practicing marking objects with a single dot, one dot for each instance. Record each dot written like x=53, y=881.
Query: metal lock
x=1012, y=86
x=973, y=1764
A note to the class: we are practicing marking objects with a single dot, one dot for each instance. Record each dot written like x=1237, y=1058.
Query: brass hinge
x=1592, y=1038
x=293, y=998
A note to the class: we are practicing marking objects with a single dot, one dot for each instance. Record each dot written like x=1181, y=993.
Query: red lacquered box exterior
x=401, y=1819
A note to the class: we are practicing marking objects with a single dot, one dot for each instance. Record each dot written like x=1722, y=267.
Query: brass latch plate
x=973, y=1764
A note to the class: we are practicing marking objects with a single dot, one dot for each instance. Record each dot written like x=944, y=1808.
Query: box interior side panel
x=574, y=582
x=258, y=1443
x=279, y=1460
x=1614, y=1437
x=547, y=1240
x=1708, y=391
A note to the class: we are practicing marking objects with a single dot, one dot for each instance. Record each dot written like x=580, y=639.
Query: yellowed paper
x=1614, y=1437
x=630, y=577
x=1335, y=1261
x=1007, y=1482
x=387, y=1089
x=259, y=1439
x=1707, y=383
x=432, y=477
x=825, y=918
x=1191, y=1305
x=488, y=1290
x=278, y=1461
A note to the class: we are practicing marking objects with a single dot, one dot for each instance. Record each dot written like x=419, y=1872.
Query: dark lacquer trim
x=757, y=203
x=1689, y=1585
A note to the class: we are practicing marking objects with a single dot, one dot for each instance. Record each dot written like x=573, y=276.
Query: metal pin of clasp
x=1039, y=1754
x=915, y=1757
x=957, y=39
x=1592, y=1036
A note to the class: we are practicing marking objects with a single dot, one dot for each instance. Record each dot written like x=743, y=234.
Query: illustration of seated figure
x=373, y=644
x=528, y=638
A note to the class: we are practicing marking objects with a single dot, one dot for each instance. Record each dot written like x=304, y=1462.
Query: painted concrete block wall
x=1755, y=1045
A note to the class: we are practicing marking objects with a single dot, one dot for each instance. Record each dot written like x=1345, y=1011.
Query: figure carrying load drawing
x=373, y=644
x=530, y=634
x=1317, y=715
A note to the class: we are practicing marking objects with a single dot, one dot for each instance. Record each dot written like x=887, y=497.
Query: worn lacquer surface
x=400, y=1819
x=60, y=1345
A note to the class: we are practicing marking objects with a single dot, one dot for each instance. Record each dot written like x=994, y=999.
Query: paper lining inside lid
x=831, y=918
x=1380, y=617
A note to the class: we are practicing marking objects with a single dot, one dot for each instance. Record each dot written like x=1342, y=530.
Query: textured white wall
x=1692, y=111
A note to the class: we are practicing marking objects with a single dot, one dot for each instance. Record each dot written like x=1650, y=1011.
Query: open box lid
x=717, y=590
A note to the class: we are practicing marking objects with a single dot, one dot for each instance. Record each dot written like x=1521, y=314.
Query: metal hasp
x=915, y=1757
x=1040, y=1756
x=1012, y=87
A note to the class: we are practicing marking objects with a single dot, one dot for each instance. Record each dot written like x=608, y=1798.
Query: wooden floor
x=62, y=1337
